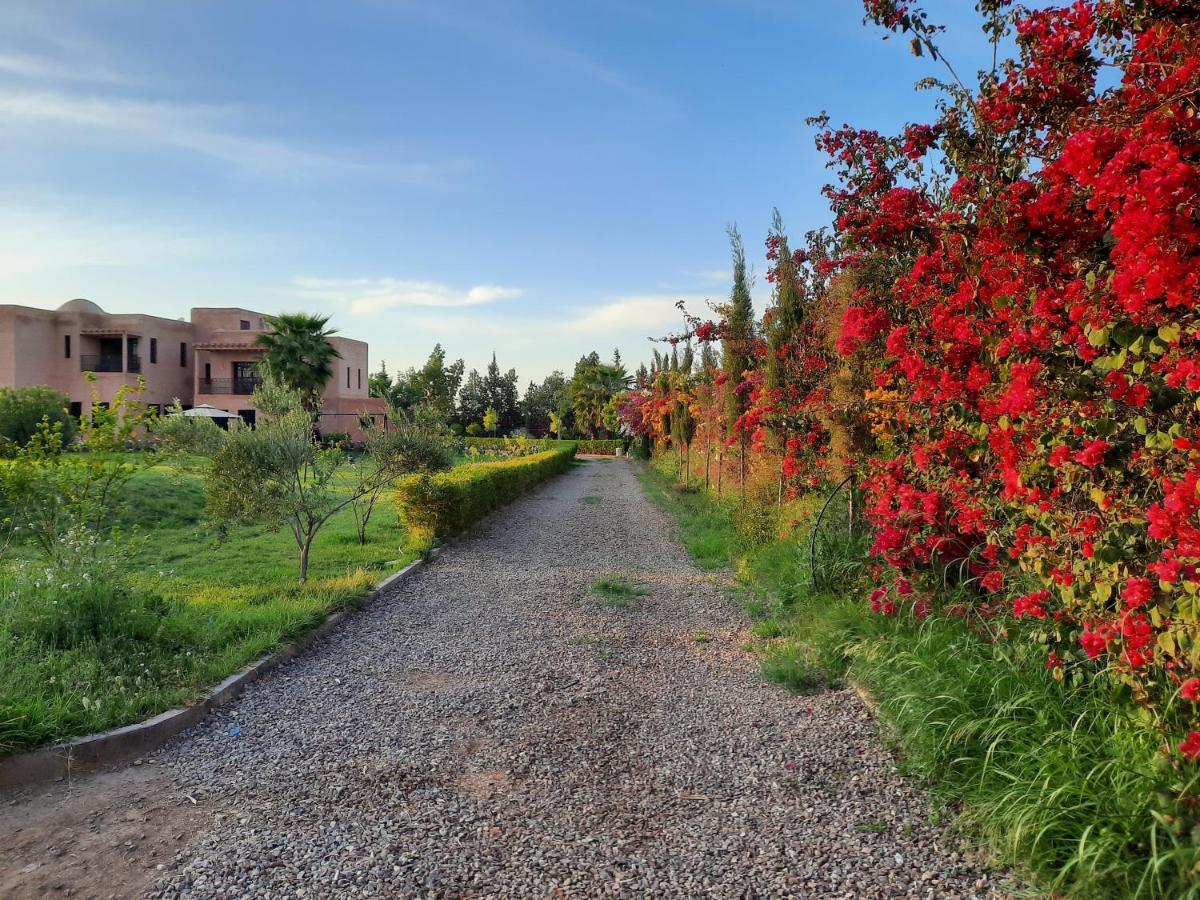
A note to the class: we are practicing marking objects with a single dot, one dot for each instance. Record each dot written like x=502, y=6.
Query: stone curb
x=120, y=745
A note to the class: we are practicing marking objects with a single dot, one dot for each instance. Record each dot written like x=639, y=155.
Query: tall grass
x=185, y=611
x=1057, y=779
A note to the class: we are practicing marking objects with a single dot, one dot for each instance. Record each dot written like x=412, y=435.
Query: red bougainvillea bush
x=1029, y=276
x=1015, y=288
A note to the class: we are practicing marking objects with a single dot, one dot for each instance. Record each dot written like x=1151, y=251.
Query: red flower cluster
x=1033, y=335
x=1006, y=359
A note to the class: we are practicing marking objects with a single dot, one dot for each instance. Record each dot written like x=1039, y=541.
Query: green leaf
x=1126, y=334
x=1169, y=334
x=1159, y=440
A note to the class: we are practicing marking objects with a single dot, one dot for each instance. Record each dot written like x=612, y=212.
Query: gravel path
x=491, y=728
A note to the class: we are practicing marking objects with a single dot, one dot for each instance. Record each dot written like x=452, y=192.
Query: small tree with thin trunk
x=275, y=474
x=491, y=420
x=420, y=439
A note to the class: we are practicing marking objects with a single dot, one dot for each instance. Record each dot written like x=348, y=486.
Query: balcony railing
x=244, y=386
x=101, y=363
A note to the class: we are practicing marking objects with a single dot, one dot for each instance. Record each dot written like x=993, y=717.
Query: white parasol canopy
x=210, y=412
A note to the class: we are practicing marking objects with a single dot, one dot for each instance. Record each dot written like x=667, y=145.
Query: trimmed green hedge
x=435, y=507
x=499, y=444
x=600, y=448
x=594, y=448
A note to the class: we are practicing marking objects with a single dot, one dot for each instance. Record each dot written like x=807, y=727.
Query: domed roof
x=81, y=306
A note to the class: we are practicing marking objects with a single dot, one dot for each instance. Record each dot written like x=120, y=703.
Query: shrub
x=65, y=610
x=336, y=439
x=600, y=448
x=510, y=446
x=474, y=429
x=23, y=409
x=434, y=507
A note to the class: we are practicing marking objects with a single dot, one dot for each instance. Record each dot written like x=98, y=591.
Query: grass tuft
x=617, y=592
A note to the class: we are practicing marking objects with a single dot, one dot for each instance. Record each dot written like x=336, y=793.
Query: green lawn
x=206, y=607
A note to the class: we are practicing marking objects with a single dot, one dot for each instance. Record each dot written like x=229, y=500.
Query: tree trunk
x=853, y=511
x=742, y=465
x=304, y=549
x=707, y=463
x=720, y=472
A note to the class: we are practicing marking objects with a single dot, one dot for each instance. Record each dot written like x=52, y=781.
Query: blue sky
x=537, y=178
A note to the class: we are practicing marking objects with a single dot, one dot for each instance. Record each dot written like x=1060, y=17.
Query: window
x=208, y=371
x=347, y=376
x=153, y=350
x=183, y=354
x=244, y=324
x=360, y=379
x=67, y=346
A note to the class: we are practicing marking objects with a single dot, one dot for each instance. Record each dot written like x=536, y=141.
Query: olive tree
x=276, y=474
x=418, y=440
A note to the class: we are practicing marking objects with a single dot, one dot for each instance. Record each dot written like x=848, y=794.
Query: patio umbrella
x=210, y=412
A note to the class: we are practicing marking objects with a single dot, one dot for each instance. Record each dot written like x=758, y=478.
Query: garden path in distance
x=494, y=727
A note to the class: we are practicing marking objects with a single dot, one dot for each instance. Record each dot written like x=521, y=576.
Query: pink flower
x=1093, y=454
x=1191, y=746
x=1137, y=592
x=1093, y=644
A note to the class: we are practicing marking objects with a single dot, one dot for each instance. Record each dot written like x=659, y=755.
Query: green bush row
x=600, y=448
x=435, y=507
x=499, y=445
x=594, y=448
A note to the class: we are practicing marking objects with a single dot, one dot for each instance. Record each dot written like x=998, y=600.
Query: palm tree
x=297, y=352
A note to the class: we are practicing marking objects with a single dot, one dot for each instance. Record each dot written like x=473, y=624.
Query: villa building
x=210, y=359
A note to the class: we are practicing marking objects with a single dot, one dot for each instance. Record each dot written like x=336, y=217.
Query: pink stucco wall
x=33, y=351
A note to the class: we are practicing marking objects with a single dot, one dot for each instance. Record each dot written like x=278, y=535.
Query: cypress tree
x=688, y=359
x=788, y=310
x=737, y=345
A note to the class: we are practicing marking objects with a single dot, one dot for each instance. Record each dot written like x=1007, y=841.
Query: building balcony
x=239, y=386
x=103, y=363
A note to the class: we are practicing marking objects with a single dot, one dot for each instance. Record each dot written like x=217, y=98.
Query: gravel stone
x=489, y=728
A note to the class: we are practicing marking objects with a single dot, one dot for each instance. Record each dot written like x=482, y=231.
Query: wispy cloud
x=49, y=68
x=38, y=41
x=211, y=131
x=649, y=312
x=526, y=43
x=35, y=240
x=365, y=296
x=637, y=317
